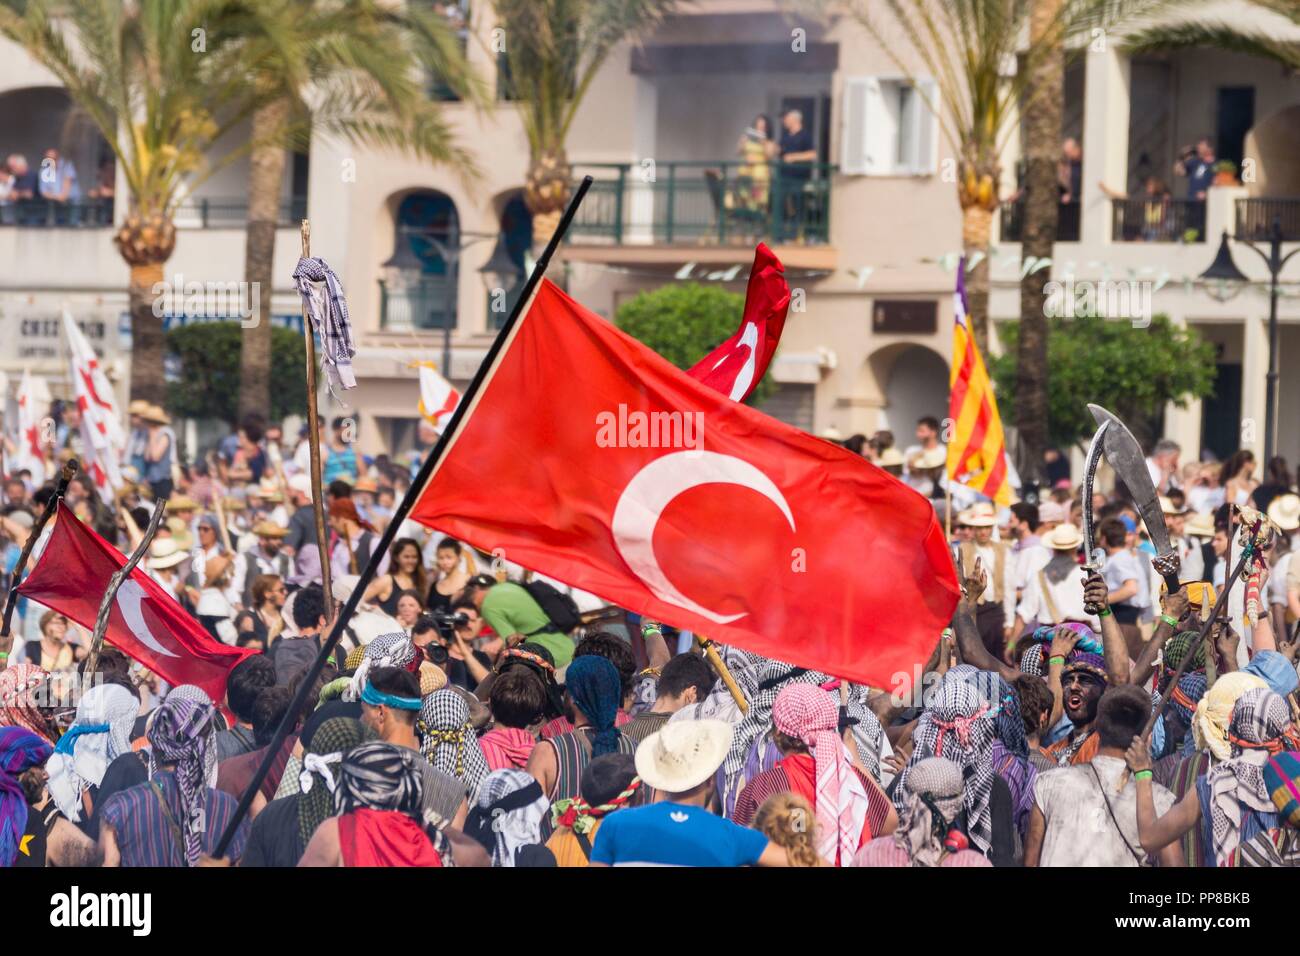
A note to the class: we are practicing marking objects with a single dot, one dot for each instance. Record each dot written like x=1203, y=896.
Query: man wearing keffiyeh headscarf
x=378, y=796
x=22, y=689
x=448, y=740
x=931, y=804
x=508, y=818
x=1232, y=802
x=100, y=734
x=957, y=725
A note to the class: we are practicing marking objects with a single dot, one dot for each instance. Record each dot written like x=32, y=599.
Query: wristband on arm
x=1171, y=621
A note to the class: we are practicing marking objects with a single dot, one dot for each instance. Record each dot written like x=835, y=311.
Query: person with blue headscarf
x=593, y=686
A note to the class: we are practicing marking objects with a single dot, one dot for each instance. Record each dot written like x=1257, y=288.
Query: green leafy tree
x=1133, y=372
x=684, y=321
x=209, y=373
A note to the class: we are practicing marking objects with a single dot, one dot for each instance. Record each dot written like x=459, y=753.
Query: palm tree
x=355, y=70
x=1219, y=34
x=160, y=80
x=553, y=51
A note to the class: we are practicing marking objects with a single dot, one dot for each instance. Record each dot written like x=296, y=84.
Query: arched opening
x=514, y=239
x=419, y=288
x=912, y=382
x=64, y=170
x=1275, y=140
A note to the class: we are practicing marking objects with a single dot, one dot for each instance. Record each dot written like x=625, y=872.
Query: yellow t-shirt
x=568, y=851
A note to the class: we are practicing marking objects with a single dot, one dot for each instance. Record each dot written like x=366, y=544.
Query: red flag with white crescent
x=636, y=482
x=736, y=366
x=146, y=623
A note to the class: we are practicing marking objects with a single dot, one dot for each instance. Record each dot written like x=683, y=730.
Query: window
x=889, y=127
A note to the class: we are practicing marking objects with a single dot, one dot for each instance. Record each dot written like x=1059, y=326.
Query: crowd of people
x=477, y=714
x=49, y=191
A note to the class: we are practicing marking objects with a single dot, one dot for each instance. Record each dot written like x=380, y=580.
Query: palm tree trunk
x=546, y=193
x=265, y=179
x=976, y=225
x=148, y=346
x=1042, y=132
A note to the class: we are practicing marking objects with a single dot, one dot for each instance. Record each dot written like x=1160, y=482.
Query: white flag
x=101, y=430
x=438, y=399
x=30, y=454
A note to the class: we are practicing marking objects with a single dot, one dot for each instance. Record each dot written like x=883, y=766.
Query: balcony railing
x=232, y=212
x=1255, y=218
x=1158, y=220
x=1013, y=221
x=51, y=214
x=705, y=203
x=429, y=303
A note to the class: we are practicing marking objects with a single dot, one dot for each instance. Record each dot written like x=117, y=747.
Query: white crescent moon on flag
x=746, y=374
x=653, y=488
x=129, y=596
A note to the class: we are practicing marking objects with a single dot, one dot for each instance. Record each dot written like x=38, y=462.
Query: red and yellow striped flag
x=977, y=452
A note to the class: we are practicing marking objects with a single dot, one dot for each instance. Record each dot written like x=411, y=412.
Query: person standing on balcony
x=1069, y=172
x=1198, y=166
x=797, y=156
x=754, y=177
x=24, y=185
x=58, y=178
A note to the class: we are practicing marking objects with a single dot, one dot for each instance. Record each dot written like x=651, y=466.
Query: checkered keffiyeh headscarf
x=448, y=740
x=1004, y=706
x=866, y=727
x=380, y=776
x=99, y=735
x=332, y=325
x=957, y=726
x=1213, y=714
x=329, y=744
x=181, y=734
x=771, y=676
x=20, y=692
x=386, y=650
x=931, y=802
x=512, y=826
x=1260, y=727
x=807, y=713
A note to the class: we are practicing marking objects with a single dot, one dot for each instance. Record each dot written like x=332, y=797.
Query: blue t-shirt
x=671, y=834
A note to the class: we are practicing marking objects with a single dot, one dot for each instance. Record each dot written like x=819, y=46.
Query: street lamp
x=1226, y=280
x=405, y=269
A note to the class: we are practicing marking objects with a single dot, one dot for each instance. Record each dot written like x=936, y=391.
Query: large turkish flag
x=589, y=458
x=146, y=623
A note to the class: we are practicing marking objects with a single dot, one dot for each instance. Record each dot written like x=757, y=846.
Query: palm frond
x=1222, y=36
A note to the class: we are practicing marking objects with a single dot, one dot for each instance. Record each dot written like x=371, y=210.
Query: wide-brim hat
x=137, y=407
x=155, y=414
x=181, y=503
x=366, y=484
x=935, y=457
x=1284, y=511
x=269, y=529
x=1064, y=537
x=1169, y=508
x=165, y=553
x=891, y=457
x=683, y=754
x=1199, y=525
x=981, y=516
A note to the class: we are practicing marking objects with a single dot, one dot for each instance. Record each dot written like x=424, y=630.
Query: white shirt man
x=1054, y=593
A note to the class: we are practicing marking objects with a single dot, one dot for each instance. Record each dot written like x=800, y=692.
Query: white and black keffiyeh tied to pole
x=331, y=323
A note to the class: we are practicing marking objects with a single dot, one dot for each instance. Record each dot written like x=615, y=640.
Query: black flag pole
x=399, y=515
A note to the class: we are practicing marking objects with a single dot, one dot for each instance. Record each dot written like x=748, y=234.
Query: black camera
x=446, y=622
x=435, y=653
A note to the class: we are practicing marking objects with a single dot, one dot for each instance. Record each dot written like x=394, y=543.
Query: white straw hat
x=683, y=754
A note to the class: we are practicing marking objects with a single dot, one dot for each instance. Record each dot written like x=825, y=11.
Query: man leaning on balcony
x=797, y=157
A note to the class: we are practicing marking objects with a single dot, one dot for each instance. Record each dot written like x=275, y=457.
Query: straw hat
x=891, y=457
x=155, y=415
x=1169, y=508
x=137, y=407
x=1064, y=537
x=234, y=504
x=683, y=754
x=936, y=457
x=980, y=516
x=366, y=484
x=269, y=529
x=1284, y=511
x=1199, y=525
x=182, y=503
x=165, y=553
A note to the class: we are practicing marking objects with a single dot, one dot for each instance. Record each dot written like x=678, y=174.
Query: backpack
x=558, y=607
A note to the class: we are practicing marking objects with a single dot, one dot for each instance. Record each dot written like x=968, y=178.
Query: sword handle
x=1168, y=565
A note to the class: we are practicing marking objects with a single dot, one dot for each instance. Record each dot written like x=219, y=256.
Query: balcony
x=1013, y=215
x=51, y=214
x=429, y=303
x=1157, y=220
x=1255, y=218
x=232, y=212
x=704, y=204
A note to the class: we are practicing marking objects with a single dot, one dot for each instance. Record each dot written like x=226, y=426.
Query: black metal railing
x=428, y=303
x=203, y=212
x=1255, y=218
x=1013, y=221
x=1158, y=220
x=53, y=214
x=705, y=203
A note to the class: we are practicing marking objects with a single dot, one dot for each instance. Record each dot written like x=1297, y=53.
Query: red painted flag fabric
x=736, y=366
x=146, y=623
x=589, y=458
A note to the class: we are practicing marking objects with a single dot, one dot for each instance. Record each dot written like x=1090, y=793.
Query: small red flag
x=736, y=366
x=146, y=623
x=620, y=474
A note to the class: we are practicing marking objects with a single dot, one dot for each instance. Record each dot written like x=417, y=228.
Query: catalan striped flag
x=977, y=452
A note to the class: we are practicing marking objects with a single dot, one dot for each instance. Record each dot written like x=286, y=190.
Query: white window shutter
x=928, y=120
x=861, y=94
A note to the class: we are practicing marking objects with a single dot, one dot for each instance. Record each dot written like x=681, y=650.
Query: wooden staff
x=120, y=575
x=313, y=440
x=65, y=476
x=711, y=654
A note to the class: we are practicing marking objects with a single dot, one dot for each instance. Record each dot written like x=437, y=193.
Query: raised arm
x=1154, y=832
x=1063, y=641
x=1114, y=649
x=970, y=646
x=1173, y=607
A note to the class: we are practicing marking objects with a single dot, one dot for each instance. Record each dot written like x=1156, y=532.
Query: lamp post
x=405, y=268
x=1227, y=280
